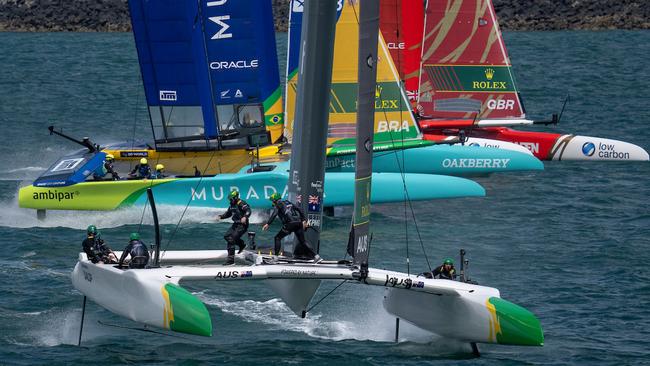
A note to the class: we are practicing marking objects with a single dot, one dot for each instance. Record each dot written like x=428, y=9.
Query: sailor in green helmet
x=96, y=250
x=446, y=271
x=240, y=212
x=137, y=250
x=293, y=221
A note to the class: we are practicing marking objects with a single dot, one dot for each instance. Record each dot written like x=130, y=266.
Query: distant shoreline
x=113, y=16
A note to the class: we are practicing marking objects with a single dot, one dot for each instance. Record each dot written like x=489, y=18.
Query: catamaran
x=459, y=310
x=398, y=139
x=211, y=81
x=212, y=89
x=454, y=62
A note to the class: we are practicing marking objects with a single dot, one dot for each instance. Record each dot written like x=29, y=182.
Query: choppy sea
x=571, y=243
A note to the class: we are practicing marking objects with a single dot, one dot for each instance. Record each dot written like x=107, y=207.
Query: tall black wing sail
x=307, y=170
x=367, y=74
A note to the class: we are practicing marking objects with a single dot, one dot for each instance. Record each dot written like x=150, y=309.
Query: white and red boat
x=456, y=70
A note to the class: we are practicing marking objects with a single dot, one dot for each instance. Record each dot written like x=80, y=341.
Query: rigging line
x=403, y=176
x=401, y=169
x=188, y=203
x=146, y=203
x=323, y=298
x=207, y=166
x=417, y=230
x=401, y=118
x=135, y=121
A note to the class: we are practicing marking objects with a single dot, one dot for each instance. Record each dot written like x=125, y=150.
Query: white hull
x=476, y=141
x=152, y=296
x=570, y=147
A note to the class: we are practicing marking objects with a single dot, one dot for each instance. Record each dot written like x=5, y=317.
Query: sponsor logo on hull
x=219, y=193
x=475, y=163
x=604, y=151
x=588, y=148
x=55, y=195
x=532, y=146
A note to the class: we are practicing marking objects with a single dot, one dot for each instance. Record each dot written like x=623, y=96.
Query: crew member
x=142, y=170
x=160, y=172
x=106, y=168
x=138, y=252
x=446, y=271
x=293, y=221
x=96, y=250
x=240, y=212
x=110, y=169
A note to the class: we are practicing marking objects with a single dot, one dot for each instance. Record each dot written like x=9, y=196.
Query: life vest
x=144, y=170
x=139, y=254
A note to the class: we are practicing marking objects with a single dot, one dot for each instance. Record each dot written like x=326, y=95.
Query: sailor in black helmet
x=293, y=221
x=240, y=212
x=138, y=252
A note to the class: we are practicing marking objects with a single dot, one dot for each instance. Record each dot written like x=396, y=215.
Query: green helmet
x=448, y=261
x=233, y=194
x=134, y=236
x=92, y=229
x=275, y=196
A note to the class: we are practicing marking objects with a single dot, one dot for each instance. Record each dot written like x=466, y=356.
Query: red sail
x=465, y=65
x=401, y=23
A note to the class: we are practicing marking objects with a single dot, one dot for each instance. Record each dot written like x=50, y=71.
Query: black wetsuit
x=442, y=273
x=139, y=254
x=96, y=250
x=237, y=210
x=292, y=218
x=91, y=249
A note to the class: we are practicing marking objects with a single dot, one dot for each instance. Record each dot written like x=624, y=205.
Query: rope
x=323, y=298
x=402, y=169
x=162, y=254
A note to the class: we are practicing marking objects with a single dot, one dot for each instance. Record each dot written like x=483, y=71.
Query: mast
x=358, y=248
x=307, y=171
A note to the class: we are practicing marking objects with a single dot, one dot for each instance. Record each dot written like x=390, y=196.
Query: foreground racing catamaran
x=457, y=310
x=453, y=60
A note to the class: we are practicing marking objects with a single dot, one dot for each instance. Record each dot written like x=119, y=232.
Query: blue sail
x=207, y=66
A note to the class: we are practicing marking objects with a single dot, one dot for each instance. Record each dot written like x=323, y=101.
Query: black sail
x=307, y=169
x=358, y=247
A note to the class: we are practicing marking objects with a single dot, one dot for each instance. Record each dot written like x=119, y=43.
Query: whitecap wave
x=369, y=322
x=13, y=216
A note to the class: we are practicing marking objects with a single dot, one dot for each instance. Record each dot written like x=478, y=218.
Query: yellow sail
x=393, y=120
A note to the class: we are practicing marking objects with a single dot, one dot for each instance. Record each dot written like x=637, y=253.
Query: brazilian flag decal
x=184, y=313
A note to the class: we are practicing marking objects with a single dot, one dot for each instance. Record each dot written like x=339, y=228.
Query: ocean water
x=571, y=243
